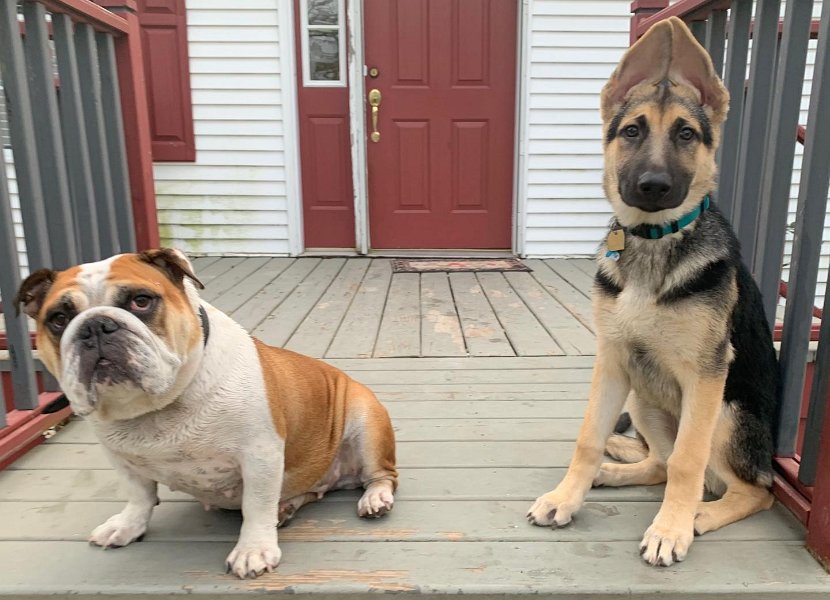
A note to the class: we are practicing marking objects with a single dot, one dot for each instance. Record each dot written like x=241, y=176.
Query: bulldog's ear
x=173, y=262
x=691, y=65
x=647, y=60
x=33, y=292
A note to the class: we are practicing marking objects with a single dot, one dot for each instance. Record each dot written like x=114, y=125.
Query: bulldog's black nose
x=654, y=186
x=98, y=326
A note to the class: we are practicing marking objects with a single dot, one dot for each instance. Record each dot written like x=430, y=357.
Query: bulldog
x=178, y=393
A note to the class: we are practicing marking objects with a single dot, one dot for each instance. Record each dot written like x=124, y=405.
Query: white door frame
x=357, y=122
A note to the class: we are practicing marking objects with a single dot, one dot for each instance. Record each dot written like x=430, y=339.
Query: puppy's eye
x=686, y=133
x=58, y=322
x=631, y=131
x=141, y=303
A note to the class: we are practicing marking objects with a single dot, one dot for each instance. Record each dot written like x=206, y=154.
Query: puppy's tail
x=623, y=448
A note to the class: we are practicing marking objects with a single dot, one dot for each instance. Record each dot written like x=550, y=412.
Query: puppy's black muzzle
x=653, y=191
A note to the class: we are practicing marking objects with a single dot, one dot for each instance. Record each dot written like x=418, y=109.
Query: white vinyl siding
x=233, y=199
x=574, y=48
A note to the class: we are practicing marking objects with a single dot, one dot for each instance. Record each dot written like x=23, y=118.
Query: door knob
x=374, y=102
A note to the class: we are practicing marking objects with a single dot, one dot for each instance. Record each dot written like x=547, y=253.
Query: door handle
x=374, y=102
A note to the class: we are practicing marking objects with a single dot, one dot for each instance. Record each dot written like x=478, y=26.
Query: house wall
x=234, y=198
x=574, y=47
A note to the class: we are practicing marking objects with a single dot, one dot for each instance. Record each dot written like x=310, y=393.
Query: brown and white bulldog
x=179, y=394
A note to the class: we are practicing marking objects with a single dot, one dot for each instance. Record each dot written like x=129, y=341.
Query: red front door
x=441, y=172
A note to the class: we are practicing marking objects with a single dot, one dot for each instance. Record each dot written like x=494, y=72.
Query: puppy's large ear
x=33, y=292
x=174, y=264
x=647, y=60
x=692, y=65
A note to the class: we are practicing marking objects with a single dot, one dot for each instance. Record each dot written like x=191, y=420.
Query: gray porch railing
x=73, y=166
x=756, y=172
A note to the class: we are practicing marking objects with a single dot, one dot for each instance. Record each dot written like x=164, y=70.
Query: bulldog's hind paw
x=119, y=530
x=376, y=501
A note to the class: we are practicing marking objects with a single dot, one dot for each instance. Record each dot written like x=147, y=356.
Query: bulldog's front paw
x=252, y=560
x=119, y=530
x=376, y=501
x=667, y=541
x=554, y=509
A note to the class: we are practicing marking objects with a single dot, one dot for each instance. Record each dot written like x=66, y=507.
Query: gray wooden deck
x=479, y=437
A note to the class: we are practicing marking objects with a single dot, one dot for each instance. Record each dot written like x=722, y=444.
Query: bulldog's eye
x=631, y=131
x=58, y=322
x=141, y=302
x=686, y=133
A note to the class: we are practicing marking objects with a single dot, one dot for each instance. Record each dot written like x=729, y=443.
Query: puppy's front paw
x=252, y=560
x=554, y=509
x=665, y=544
x=119, y=530
x=376, y=501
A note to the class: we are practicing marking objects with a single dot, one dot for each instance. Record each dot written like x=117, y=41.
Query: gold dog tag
x=615, y=240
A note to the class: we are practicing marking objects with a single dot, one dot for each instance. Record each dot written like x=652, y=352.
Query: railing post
x=753, y=138
x=53, y=174
x=715, y=38
x=642, y=10
x=740, y=19
x=136, y=119
x=810, y=214
x=20, y=351
x=768, y=253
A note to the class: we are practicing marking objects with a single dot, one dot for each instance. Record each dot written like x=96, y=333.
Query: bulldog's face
x=122, y=336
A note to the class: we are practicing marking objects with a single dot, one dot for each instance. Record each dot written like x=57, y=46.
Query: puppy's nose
x=654, y=186
x=97, y=326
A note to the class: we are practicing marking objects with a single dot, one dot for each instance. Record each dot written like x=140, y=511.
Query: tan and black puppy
x=180, y=394
x=680, y=326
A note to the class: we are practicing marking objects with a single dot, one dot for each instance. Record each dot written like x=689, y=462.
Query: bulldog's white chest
x=182, y=458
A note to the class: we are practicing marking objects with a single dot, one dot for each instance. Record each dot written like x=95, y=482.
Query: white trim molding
x=357, y=126
x=523, y=47
x=291, y=133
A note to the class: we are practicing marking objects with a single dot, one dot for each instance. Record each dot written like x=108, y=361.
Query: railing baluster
x=716, y=37
x=20, y=352
x=115, y=142
x=812, y=209
x=74, y=135
x=699, y=31
x=21, y=127
x=51, y=157
x=740, y=18
x=754, y=129
x=90, y=78
x=810, y=215
x=778, y=168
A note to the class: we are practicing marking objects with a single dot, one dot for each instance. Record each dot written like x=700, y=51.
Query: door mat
x=451, y=265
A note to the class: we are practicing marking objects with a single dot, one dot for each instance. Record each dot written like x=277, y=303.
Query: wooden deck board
x=359, y=329
x=440, y=328
x=571, y=272
x=483, y=334
x=255, y=310
x=316, y=332
x=571, y=335
x=525, y=333
x=244, y=290
x=566, y=569
x=232, y=277
x=566, y=294
x=400, y=326
x=278, y=326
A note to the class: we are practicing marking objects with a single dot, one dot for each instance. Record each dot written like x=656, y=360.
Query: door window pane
x=324, y=55
x=322, y=12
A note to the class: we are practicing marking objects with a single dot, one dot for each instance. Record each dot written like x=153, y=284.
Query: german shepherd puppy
x=680, y=325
